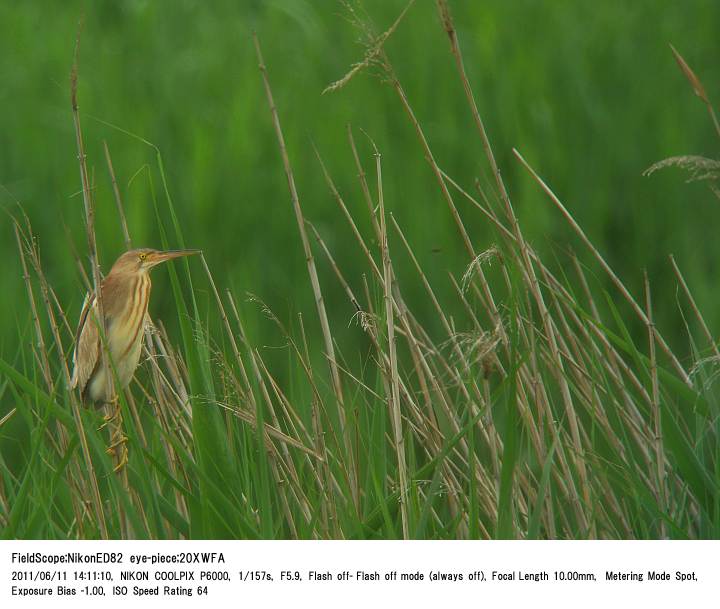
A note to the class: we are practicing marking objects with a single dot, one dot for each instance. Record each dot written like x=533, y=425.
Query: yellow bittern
x=125, y=295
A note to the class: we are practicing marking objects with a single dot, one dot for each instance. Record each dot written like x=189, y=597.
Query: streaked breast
x=126, y=329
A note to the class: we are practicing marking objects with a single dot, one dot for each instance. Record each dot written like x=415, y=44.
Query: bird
x=125, y=295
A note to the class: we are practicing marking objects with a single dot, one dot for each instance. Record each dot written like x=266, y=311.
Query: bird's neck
x=122, y=294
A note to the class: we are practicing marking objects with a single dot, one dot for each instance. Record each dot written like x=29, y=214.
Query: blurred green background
x=587, y=91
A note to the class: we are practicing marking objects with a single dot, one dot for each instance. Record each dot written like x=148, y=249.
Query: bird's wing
x=87, y=345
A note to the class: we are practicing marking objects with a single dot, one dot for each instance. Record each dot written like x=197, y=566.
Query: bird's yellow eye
x=143, y=255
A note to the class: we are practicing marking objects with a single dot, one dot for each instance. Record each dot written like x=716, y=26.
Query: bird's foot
x=118, y=450
x=113, y=414
x=122, y=463
x=119, y=443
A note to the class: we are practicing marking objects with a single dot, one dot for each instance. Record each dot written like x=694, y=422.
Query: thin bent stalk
x=89, y=216
x=606, y=267
x=527, y=263
x=314, y=280
x=392, y=349
x=658, y=440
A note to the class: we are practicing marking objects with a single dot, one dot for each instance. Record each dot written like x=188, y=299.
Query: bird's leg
x=119, y=451
x=118, y=439
x=113, y=412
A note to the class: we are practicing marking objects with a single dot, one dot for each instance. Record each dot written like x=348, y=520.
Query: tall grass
x=525, y=406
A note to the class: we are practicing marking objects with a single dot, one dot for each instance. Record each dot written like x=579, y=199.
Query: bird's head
x=143, y=259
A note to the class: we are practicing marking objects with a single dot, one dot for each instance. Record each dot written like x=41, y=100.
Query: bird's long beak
x=159, y=257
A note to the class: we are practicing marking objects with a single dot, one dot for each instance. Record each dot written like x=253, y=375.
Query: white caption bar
x=139, y=574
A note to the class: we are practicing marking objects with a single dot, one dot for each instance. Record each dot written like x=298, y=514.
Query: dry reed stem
x=362, y=177
x=118, y=199
x=398, y=305
x=40, y=351
x=293, y=419
x=430, y=422
x=490, y=439
x=612, y=365
x=658, y=440
x=327, y=508
x=697, y=86
x=449, y=27
x=177, y=382
x=115, y=426
x=8, y=416
x=165, y=413
x=377, y=52
x=314, y=280
x=527, y=264
x=93, y=491
x=341, y=203
x=399, y=438
x=429, y=157
x=26, y=245
x=557, y=289
x=286, y=461
x=694, y=307
x=228, y=330
x=89, y=219
x=606, y=267
x=338, y=273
